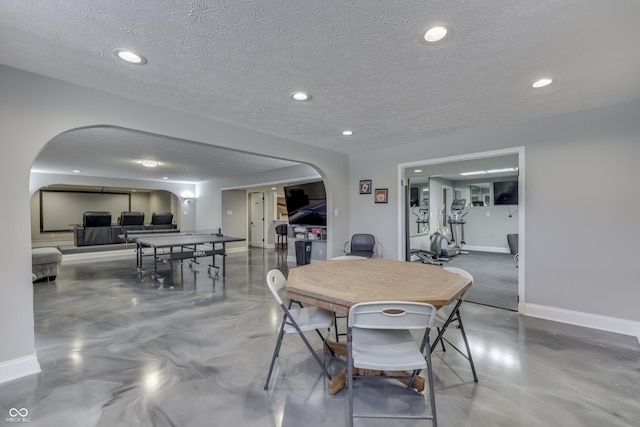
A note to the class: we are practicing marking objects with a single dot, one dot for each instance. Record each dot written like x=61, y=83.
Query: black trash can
x=303, y=252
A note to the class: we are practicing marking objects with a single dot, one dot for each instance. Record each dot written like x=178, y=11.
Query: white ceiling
x=362, y=61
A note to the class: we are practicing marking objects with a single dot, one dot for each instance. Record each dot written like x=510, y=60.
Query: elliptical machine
x=457, y=223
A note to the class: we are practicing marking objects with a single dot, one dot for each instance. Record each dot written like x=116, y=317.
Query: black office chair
x=362, y=245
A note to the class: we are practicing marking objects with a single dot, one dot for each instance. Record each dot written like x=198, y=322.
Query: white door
x=257, y=220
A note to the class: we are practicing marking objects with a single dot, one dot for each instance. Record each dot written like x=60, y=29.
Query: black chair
x=362, y=245
x=161, y=221
x=282, y=231
x=96, y=229
x=96, y=219
x=130, y=219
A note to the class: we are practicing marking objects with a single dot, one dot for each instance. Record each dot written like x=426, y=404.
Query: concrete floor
x=117, y=350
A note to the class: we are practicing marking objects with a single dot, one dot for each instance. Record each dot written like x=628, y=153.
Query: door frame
x=402, y=225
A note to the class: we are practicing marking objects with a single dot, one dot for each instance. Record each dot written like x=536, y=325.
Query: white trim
x=587, y=320
x=492, y=249
x=18, y=368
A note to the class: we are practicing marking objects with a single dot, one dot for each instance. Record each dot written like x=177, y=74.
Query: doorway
x=256, y=224
x=459, y=173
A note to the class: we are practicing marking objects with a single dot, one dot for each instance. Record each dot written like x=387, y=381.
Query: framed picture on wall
x=365, y=186
x=381, y=195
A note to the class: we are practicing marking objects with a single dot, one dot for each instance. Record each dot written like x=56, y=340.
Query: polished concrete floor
x=117, y=350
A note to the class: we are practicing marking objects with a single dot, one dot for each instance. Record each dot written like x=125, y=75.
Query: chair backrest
x=391, y=315
x=281, y=229
x=346, y=257
x=363, y=243
x=161, y=218
x=131, y=218
x=96, y=219
x=275, y=282
x=459, y=272
x=463, y=273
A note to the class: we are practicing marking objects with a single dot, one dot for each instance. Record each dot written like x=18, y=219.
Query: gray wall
x=235, y=224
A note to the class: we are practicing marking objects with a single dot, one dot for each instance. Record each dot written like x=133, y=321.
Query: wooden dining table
x=336, y=285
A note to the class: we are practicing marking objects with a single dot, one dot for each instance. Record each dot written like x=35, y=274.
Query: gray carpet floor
x=495, y=278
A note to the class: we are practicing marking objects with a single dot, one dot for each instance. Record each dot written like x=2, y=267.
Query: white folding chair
x=447, y=315
x=336, y=315
x=297, y=320
x=380, y=339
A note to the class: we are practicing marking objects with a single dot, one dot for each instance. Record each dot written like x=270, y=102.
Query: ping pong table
x=181, y=246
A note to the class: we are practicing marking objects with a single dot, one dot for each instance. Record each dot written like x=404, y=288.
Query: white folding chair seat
x=380, y=339
x=449, y=315
x=297, y=321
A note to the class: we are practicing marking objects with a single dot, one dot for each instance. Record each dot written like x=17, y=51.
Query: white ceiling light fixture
x=130, y=57
x=542, y=83
x=301, y=96
x=502, y=170
x=76, y=171
x=347, y=132
x=435, y=34
x=473, y=173
x=417, y=171
x=165, y=177
x=147, y=163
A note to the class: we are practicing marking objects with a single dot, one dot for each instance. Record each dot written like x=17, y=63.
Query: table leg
x=337, y=383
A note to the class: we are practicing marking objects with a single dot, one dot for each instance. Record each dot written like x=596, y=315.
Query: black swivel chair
x=362, y=245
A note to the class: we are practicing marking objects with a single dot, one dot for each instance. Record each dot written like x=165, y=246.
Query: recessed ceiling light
x=347, y=132
x=76, y=171
x=301, y=96
x=435, y=34
x=542, y=83
x=165, y=177
x=149, y=163
x=131, y=57
x=417, y=170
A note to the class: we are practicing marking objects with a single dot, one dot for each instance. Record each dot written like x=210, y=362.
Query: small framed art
x=365, y=186
x=381, y=195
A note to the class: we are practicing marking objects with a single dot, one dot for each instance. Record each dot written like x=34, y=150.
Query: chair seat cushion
x=392, y=350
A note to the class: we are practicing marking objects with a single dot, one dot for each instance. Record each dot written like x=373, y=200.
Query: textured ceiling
x=362, y=61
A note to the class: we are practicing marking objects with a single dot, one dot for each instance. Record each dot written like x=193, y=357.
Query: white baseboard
x=18, y=368
x=486, y=249
x=587, y=320
x=237, y=250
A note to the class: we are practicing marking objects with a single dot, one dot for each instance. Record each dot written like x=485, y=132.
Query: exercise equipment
x=437, y=253
x=422, y=220
x=457, y=222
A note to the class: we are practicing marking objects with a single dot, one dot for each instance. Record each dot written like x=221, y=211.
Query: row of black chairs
x=103, y=219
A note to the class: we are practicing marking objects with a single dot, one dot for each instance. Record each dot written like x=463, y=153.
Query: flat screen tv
x=505, y=193
x=306, y=203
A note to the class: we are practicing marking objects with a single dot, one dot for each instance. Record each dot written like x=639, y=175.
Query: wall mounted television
x=306, y=203
x=505, y=193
